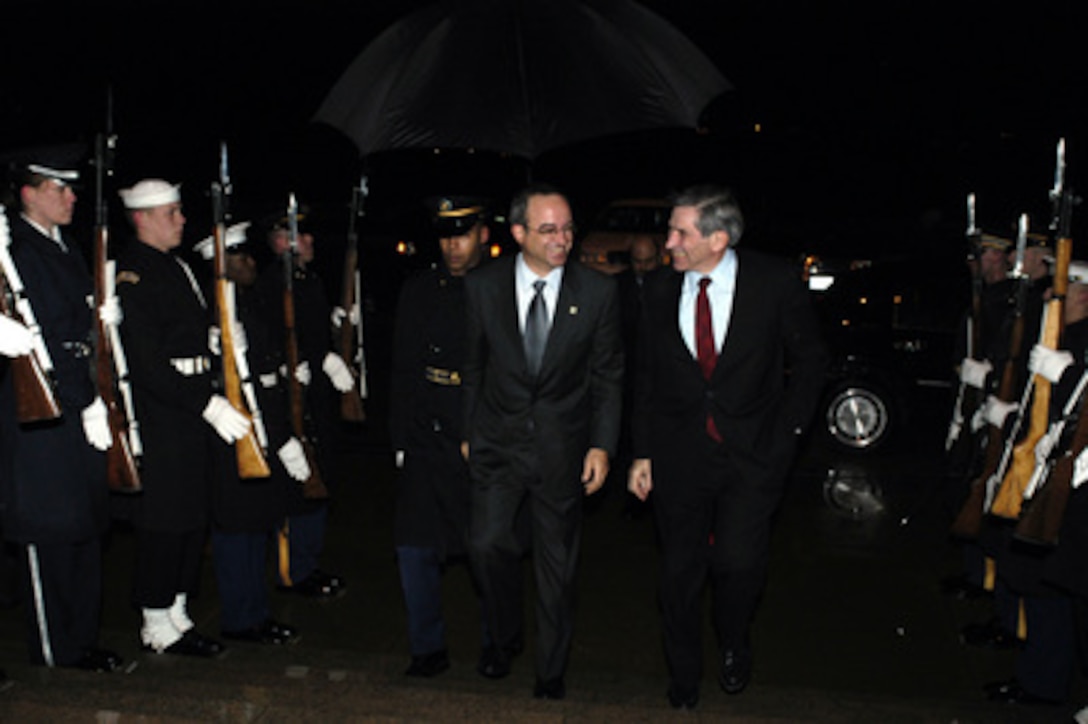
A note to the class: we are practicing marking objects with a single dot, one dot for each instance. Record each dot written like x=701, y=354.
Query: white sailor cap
x=150, y=193
x=236, y=236
x=1078, y=272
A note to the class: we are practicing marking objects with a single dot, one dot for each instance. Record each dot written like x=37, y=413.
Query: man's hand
x=640, y=479
x=338, y=372
x=96, y=426
x=594, y=470
x=464, y=450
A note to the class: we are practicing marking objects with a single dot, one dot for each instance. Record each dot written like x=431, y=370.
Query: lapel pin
x=573, y=309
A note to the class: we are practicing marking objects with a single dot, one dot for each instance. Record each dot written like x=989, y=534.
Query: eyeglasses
x=553, y=230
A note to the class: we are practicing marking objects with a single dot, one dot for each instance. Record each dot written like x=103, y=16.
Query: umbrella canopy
x=520, y=76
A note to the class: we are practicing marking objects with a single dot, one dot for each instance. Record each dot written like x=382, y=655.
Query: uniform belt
x=439, y=376
x=79, y=350
x=191, y=366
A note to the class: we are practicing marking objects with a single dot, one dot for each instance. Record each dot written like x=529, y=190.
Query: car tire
x=858, y=416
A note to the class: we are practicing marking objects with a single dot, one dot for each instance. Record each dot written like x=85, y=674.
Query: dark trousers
x=61, y=591
x=167, y=563
x=712, y=524
x=421, y=571
x=1045, y=666
x=240, y=560
x=301, y=540
x=496, y=548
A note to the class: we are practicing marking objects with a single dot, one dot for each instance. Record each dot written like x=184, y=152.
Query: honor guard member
x=246, y=513
x=53, y=492
x=302, y=536
x=433, y=494
x=166, y=338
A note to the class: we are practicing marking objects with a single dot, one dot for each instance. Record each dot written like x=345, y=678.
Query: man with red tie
x=729, y=371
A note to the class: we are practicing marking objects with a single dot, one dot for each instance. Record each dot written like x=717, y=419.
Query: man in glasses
x=542, y=394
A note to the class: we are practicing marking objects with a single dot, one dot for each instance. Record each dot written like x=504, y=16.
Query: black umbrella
x=520, y=76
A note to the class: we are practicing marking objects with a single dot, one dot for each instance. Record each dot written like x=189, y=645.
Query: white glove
x=996, y=411
x=398, y=459
x=110, y=312
x=302, y=373
x=1047, y=442
x=294, y=459
x=973, y=372
x=337, y=370
x=213, y=341
x=338, y=315
x=1050, y=363
x=96, y=425
x=227, y=422
x=15, y=339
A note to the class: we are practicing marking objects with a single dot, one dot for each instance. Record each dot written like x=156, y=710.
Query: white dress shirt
x=523, y=286
x=723, y=281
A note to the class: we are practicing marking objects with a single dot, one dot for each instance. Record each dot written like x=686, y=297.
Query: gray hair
x=718, y=210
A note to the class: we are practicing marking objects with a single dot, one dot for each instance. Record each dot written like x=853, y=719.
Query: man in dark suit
x=729, y=372
x=542, y=394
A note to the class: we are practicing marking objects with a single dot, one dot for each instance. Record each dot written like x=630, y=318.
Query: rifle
x=351, y=336
x=974, y=323
x=121, y=471
x=313, y=487
x=968, y=522
x=251, y=460
x=35, y=399
x=1010, y=496
x=1044, y=507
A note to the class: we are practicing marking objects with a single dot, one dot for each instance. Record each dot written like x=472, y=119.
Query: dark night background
x=877, y=118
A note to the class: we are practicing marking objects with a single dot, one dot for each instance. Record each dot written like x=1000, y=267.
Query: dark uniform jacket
x=257, y=504
x=425, y=411
x=52, y=482
x=165, y=320
x=314, y=334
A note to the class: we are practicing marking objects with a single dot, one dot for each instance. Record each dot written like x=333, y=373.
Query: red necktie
x=704, y=346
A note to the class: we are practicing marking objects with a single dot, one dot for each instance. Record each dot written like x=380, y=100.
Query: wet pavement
x=853, y=627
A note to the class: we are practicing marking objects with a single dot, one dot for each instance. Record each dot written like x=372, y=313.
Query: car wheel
x=858, y=416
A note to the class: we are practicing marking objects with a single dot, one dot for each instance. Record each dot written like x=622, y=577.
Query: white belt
x=191, y=366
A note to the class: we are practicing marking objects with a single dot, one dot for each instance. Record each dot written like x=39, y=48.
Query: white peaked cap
x=150, y=193
x=236, y=235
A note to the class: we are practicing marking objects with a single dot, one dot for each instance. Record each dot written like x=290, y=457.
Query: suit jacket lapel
x=566, y=307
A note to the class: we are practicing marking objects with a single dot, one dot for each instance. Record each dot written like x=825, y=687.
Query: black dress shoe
x=192, y=643
x=682, y=697
x=270, y=632
x=1010, y=692
x=554, y=689
x=736, y=670
x=494, y=663
x=99, y=660
x=990, y=635
x=429, y=665
x=318, y=584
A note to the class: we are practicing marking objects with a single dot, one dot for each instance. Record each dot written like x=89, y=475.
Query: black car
x=892, y=328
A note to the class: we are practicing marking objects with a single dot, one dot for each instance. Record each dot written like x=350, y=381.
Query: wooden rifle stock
x=1042, y=514
x=34, y=398
x=1010, y=496
x=251, y=460
x=351, y=402
x=313, y=487
x=968, y=522
x=121, y=471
